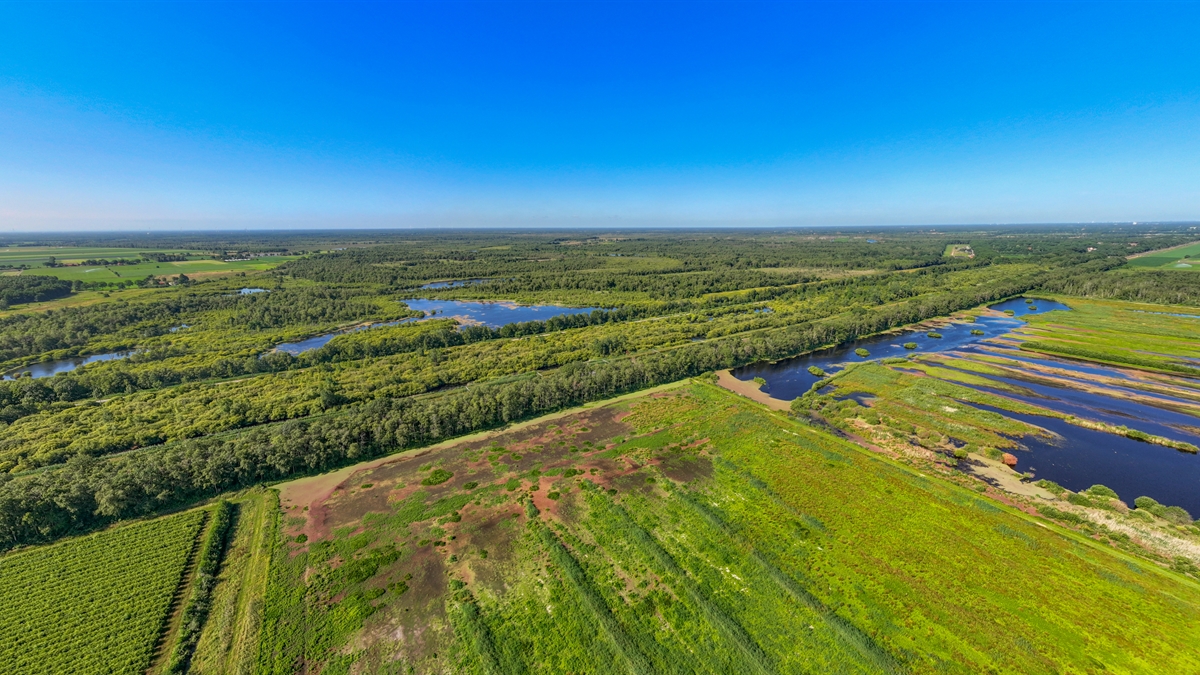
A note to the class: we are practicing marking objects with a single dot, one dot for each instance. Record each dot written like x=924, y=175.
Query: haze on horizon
x=216, y=115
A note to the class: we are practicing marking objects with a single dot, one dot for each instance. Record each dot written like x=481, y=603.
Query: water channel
x=1076, y=458
x=490, y=314
x=48, y=368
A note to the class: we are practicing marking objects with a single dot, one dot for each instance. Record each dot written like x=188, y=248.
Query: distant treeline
x=1158, y=287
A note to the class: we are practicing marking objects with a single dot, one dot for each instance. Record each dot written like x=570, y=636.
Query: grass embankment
x=227, y=644
x=695, y=530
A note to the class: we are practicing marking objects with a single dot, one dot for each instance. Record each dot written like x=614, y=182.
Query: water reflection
x=48, y=368
x=1080, y=458
x=790, y=378
x=492, y=314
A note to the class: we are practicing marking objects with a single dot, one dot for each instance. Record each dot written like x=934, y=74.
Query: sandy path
x=750, y=391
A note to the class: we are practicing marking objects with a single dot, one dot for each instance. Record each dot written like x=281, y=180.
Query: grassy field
x=36, y=256
x=193, y=268
x=1154, y=337
x=1181, y=258
x=693, y=531
x=95, y=604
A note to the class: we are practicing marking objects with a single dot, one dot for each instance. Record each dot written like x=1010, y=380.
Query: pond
x=318, y=341
x=1076, y=458
x=492, y=314
x=1080, y=458
x=251, y=291
x=790, y=378
x=48, y=368
x=468, y=312
x=452, y=284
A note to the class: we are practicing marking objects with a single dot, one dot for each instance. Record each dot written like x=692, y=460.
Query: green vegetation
x=684, y=530
x=714, y=556
x=862, y=352
x=195, y=613
x=1178, y=258
x=95, y=604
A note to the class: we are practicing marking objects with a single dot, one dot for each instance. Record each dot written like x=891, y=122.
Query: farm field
x=36, y=256
x=95, y=604
x=192, y=268
x=1180, y=258
x=648, y=536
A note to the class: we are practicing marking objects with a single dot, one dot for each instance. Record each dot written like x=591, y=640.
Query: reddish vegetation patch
x=1009, y=459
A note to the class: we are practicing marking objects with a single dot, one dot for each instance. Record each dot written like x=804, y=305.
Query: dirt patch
x=1001, y=476
x=750, y=391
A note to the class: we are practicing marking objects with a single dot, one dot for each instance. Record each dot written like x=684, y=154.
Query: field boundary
x=163, y=646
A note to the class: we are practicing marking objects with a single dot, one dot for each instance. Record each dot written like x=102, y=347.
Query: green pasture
x=1182, y=258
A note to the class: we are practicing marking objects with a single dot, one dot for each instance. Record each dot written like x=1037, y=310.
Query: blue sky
x=174, y=115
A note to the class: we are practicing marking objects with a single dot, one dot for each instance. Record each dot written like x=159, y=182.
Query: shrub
x=1102, y=491
x=1079, y=499
x=759, y=381
x=1050, y=486
x=438, y=477
x=471, y=486
x=862, y=352
x=910, y=345
x=1055, y=514
x=934, y=334
x=813, y=370
x=976, y=331
x=1177, y=515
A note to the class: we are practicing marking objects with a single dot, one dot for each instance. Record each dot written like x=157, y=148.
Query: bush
x=1177, y=515
x=1051, y=486
x=813, y=370
x=862, y=352
x=934, y=334
x=1102, y=491
x=438, y=477
x=1079, y=499
x=1055, y=514
x=910, y=345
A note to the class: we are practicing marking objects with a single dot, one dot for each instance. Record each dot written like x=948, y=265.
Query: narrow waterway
x=49, y=368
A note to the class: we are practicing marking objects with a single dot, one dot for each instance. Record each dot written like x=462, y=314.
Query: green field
x=192, y=268
x=95, y=604
x=36, y=256
x=662, y=538
x=1182, y=258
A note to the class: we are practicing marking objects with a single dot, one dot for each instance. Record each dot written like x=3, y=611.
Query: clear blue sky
x=167, y=115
